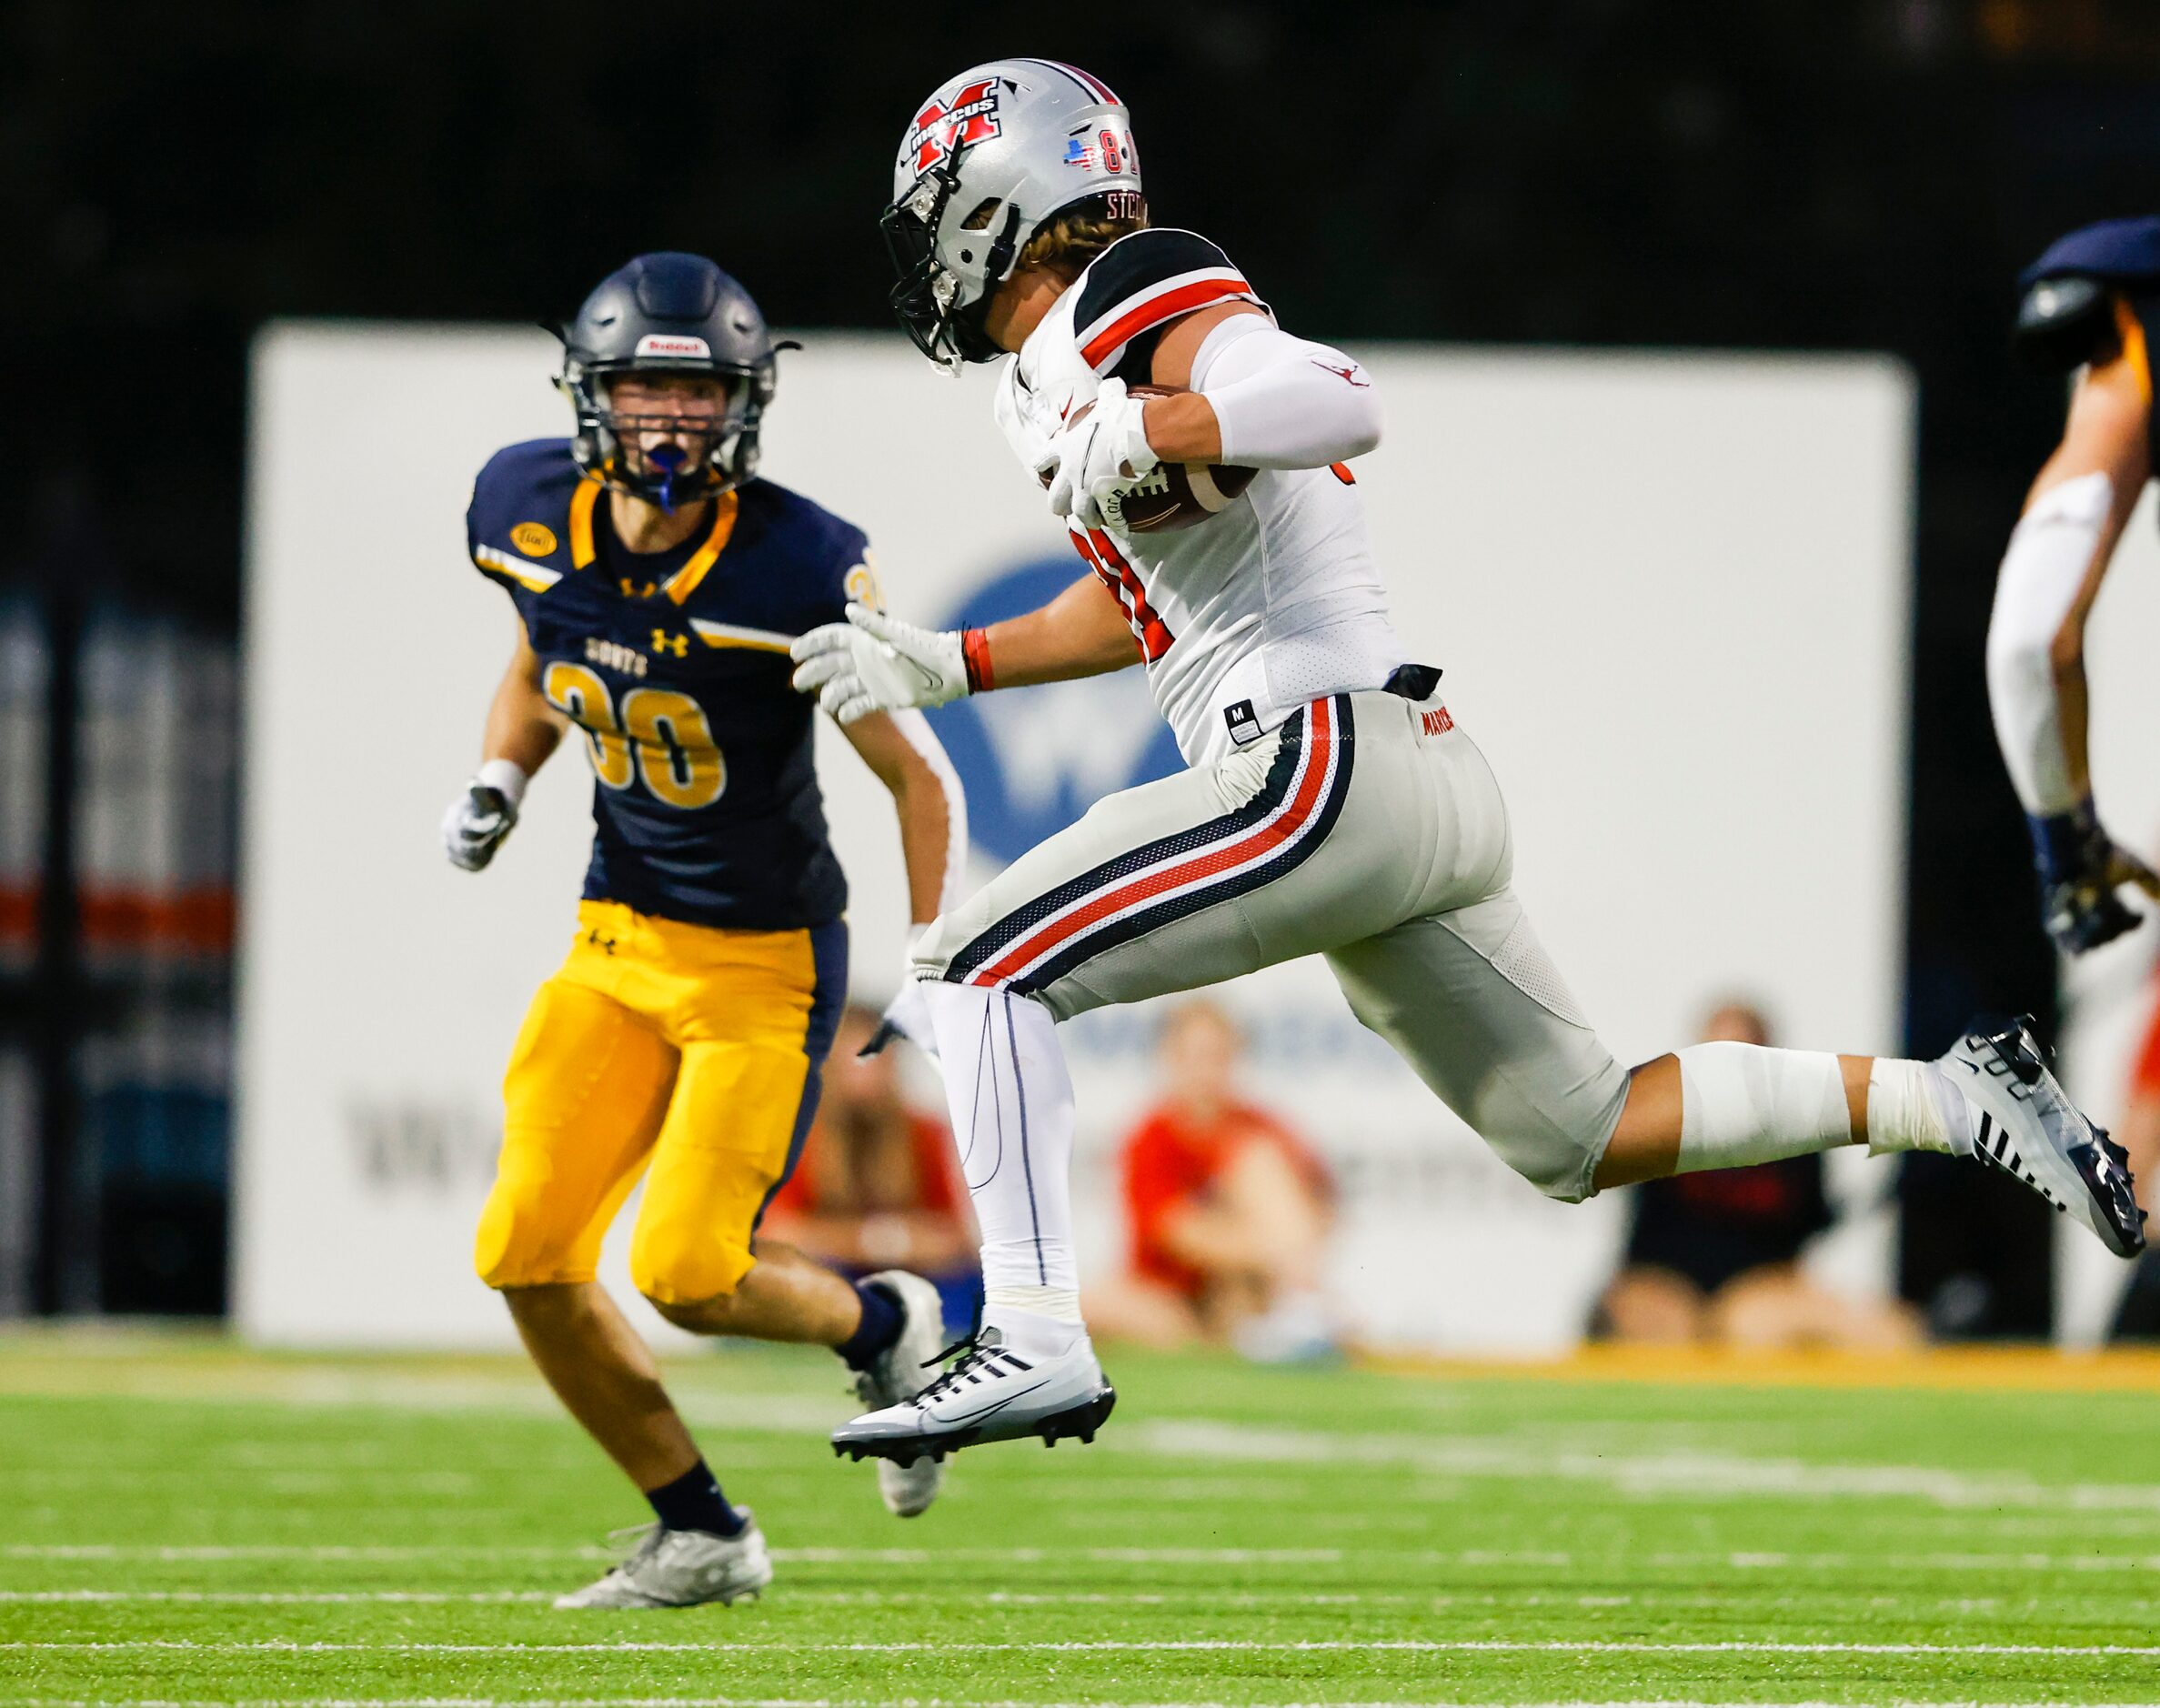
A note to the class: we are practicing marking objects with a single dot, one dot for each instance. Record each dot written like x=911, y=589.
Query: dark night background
x=1787, y=175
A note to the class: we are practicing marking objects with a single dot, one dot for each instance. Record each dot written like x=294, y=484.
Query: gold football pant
x=685, y=1053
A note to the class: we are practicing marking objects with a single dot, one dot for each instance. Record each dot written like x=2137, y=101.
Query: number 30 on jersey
x=657, y=735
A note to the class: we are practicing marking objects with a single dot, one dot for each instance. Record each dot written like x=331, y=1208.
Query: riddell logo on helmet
x=672, y=344
x=939, y=129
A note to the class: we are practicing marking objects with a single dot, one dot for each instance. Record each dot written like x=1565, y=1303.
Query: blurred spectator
x=1228, y=1212
x=878, y=1186
x=2137, y=1316
x=1714, y=1258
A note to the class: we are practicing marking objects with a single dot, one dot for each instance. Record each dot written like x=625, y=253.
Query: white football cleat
x=904, y=1369
x=2026, y=1124
x=682, y=1568
x=990, y=1393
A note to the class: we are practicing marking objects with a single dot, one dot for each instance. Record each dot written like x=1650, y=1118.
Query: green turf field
x=184, y=1524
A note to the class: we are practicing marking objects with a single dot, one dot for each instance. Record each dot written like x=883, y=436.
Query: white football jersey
x=1246, y=617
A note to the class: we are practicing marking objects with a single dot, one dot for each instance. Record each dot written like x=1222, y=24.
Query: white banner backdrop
x=1669, y=594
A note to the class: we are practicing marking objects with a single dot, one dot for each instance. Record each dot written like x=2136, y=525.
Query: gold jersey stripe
x=539, y=578
x=684, y=582
x=581, y=503
x=732, y=635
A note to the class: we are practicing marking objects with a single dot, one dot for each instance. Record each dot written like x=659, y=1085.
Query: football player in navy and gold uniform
x=658, y=585
x=2092, y=306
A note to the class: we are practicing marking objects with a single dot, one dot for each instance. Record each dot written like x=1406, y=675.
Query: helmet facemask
x=928, y=296
x=694, y=463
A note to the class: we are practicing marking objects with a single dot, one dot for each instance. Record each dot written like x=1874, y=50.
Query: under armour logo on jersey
x=663, y=643
x=635, y=590
x=600, y=942
x=939, y=129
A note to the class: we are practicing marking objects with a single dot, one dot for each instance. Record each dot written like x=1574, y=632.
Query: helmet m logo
x=939, y=128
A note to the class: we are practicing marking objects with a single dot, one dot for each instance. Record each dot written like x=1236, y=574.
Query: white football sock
x=1914, y=1106
x=1745, y=1103
x=1011, y=1101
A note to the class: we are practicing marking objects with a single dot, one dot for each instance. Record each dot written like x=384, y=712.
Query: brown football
x=1175, y=495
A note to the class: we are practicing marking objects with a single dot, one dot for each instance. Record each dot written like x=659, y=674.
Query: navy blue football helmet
x=668, y=313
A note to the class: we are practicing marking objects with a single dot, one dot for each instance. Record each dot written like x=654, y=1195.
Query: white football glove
x=907, y=1015
x=480, y=817
x=1104, y=452
x=874, y=663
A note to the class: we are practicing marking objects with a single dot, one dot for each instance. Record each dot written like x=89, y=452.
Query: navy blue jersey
x=674, y=664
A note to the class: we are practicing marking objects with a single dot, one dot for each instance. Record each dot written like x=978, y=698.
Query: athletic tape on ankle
x=1904, y=1109
x=1061, y=1304
x=1743, y=1103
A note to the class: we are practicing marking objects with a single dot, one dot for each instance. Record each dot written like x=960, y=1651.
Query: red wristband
x=974, y=650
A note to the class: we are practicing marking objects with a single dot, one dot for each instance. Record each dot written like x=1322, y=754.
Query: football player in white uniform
x=1333, y=805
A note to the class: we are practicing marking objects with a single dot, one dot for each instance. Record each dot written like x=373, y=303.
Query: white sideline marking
x=1681, y=1473
x=1197, y=1646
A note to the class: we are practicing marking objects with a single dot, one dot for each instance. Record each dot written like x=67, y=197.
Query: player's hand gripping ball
x=1102, y=472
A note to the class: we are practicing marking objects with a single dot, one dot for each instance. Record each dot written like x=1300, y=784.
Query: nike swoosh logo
x=994, y=1407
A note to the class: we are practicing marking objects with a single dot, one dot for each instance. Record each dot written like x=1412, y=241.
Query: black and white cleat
x=990, y=1393
x=2026, y=1124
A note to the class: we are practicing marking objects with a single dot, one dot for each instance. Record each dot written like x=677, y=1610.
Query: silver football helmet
x=998, y=151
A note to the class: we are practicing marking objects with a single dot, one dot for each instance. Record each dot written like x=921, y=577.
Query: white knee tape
x=2049, y=555
x=1741, y=1104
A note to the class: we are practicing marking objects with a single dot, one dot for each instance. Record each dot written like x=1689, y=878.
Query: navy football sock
x=694, y=1502
x=879, y=1328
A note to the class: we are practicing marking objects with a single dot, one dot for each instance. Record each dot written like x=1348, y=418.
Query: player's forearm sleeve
x=1285, y=402
x=915, y=729
x=2050, y=553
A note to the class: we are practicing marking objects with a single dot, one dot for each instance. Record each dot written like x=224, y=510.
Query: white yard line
x=275, y=1598
x=1664, y=1475
x=1528, y=1559
x=1226, y=1443
x=1198, y=1645
x=813, y=1556
x=1212, y=1599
